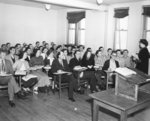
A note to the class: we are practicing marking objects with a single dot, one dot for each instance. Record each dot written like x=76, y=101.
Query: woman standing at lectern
x=143, y=56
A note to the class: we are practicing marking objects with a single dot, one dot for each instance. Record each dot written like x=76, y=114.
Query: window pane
x=148, y=23
x=81, y=37
x=72, y=26
x=148, y=36
x=71, y=36
x=82, y=24
x=122, y=23
x=121, y=39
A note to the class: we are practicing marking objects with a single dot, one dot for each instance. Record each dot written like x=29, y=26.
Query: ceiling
x=34, y=4
x=112, y=1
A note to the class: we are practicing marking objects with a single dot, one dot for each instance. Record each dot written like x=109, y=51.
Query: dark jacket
x=88, y=62
x=74, y=62
x=57, y=66
x=107, y=63
x=142, y=64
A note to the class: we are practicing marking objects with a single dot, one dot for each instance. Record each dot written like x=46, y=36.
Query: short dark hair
x=3, y=51
x=21, y=54
x=109, y=49
x=12, y=48
x=125, y=50
x=37, y=42
x=144, y=41
x=57, y=56
x=100, y=47
x=49, y=51
x=97, y=52
x=76, y=52
x=59, y=46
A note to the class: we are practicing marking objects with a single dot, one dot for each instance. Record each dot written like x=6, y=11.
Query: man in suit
x=6, y=68
x=110, y=65
x=89, y=75
x=11, y=56
x=59, y=65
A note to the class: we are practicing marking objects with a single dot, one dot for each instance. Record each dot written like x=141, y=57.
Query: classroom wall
x=27, y=24
x=95, y=29
x=135, y=24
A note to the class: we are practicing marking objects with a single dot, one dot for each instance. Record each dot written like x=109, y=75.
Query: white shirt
x=112, y=65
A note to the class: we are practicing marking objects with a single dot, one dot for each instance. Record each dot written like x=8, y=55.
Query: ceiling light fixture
x=47, y=7
x=99, y=2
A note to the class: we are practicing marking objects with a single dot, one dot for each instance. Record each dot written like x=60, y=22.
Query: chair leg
x=59, y=91
x=59, y=86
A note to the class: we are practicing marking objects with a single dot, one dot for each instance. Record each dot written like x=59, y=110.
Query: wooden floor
x=43, y=107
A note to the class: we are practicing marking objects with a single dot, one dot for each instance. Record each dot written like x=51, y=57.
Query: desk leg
x=123, y=116
x=59, y=86
x=20, y=82
x=95, y=111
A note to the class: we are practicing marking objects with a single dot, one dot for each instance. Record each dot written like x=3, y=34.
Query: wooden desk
x=120, y=105
x=82, y=69
x=59, y=74
x=20, y=74
x=107, y=78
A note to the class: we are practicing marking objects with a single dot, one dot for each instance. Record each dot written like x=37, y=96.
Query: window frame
x=120, y=30
x=77, y=30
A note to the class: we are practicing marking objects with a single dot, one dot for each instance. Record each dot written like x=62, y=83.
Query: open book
x=29, y=76
x=125, y=71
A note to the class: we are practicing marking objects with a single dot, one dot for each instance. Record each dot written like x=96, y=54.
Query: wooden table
x=120, y=105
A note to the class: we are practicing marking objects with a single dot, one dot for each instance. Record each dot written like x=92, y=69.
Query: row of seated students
x=60, y=58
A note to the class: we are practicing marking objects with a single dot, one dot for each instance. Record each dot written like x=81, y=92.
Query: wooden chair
x=59, y=83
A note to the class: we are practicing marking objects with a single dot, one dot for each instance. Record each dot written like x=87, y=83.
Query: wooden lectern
x=129, y=86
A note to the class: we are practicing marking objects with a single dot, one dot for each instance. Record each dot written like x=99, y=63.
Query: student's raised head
x=12, y=50
x=77, y=54
x=23, y=55
x=143, y=43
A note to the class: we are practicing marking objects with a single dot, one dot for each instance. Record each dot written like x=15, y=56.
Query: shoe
x=80, y=91
x=72, y=99
x=93, y=91
x=11, y=103
x=20, y=95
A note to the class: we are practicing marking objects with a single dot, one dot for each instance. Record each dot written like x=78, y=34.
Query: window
x=76, y=28
x=121, y=28
x=121, y=33
x=81, y=32
x=146, y=33
x=76, y=33
x=71, y=33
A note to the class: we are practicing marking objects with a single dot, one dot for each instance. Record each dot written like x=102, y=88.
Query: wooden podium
x=129, y=86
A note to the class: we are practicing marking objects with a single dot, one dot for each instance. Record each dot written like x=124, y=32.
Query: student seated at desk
x=6, y=78
x=88, y=60
x=100, y=59
x=37, y=61
x=23, y=65
x=89, y=75
x=110, y=65
x=49, y=61
x=60, y=65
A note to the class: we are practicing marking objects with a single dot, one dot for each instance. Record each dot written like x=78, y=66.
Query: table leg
x=123, y=116
x=95, y=111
